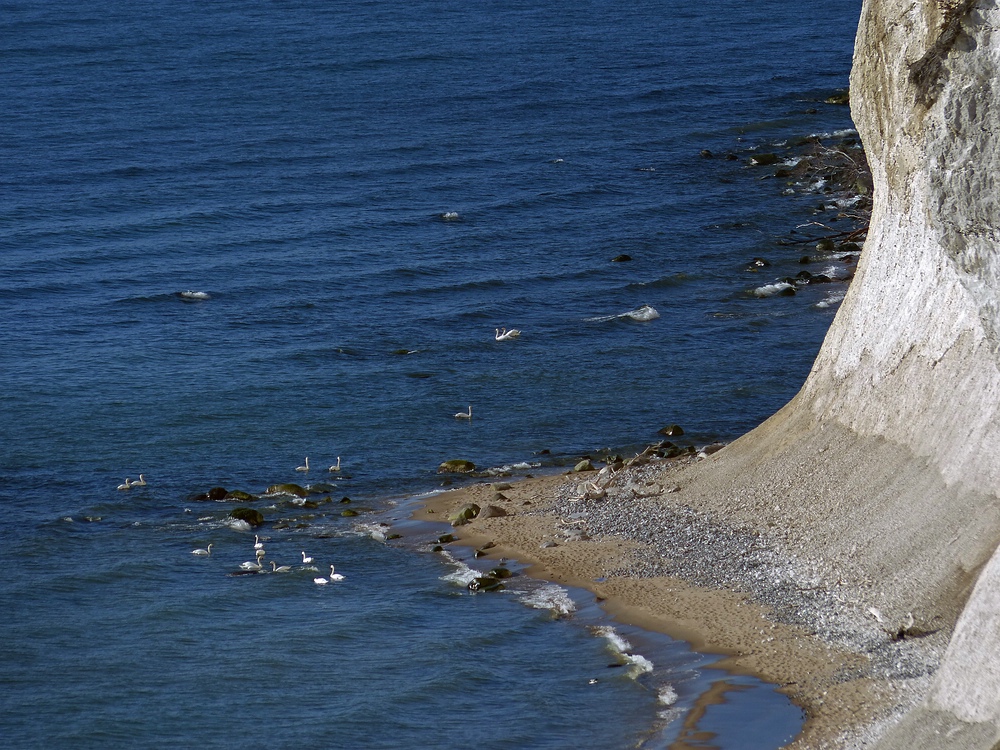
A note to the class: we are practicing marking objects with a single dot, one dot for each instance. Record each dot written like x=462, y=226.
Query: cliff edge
x=885, y=465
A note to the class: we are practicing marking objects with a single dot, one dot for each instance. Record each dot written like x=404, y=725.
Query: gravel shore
x=646, y=542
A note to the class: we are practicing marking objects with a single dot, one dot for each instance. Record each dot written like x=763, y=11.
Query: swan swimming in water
x=140, y=482
x=465, y=415
x=304, y=467
x=506, y=335
x=257, y=543
x=127, y=485
x=334, y=576
x=250, y=566
x=275, y=568
x=202, y=552
x=306, y=560
x=336, y=466
x=320, y=581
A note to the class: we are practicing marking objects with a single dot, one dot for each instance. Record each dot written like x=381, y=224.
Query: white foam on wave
x=637, y=663
x=666, y=695
x=769, y=290
x=195, y=295
x=551, y=597
x=833, y=298
x=641, y=314
x=374, y=530
x=506, y=469
x=463, y=575
x=239, y=524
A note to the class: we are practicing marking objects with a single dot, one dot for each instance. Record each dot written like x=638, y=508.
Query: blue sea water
x=361, y=193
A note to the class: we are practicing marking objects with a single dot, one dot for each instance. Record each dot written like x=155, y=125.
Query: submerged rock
x=671, y=430
x=456, y=466
x=287, y=488
x=244, y=497
x=249, y=515
x=485, y=583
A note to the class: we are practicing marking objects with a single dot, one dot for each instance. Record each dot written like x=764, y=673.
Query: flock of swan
x=129, y=484
x=260, y=553
x=305, y=466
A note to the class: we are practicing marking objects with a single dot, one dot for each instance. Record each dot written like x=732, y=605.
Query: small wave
x=463, y=575
x=194, y=295
x=666, y=695
x=551, y=597
x=508, y=469
x=238, y=524
x=376, y=531
x=770, y=290
x=637, y=663
x=833, y=298
x=450, y=216
x=641, y=314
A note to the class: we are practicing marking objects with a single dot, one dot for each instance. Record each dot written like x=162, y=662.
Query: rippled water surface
x=233, y=235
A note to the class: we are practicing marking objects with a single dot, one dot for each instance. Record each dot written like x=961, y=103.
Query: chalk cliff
x=886, y=465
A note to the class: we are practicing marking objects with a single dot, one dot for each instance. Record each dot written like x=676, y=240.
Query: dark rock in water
x=419, y=375
x=344, y=500
x=500, y=573
x=250, y=515
x=437, y=548
x=706, y=154
x=456, y=466
x=803, y=275
x=403, y=351
x=217, y=493
x=826, y=246
x=671, y=430
x=492, y=511
x=788, y=291
x=764, y=160
x=485, y=583
x=287, y=489
x=759, y=263
x=621, y=259
x=446, y=538
x=464, y=514
x=349, y=513
x=841, y=98
x=394, y=536
x=820, y=278
x=805, y=259
x=584, y=465
x=244, y=497
x=782, y=174
x=732, y=157
x=849, y=247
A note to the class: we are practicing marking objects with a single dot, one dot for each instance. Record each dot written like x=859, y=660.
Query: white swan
x=260, y=554
x=334, y=576
x=464, y=415
x=207, y=551
x=250, y=566
x=320, y=581
x=257, y=543
x=306, y=560
x=275, y=568
x=336, y=466
x=140, y=482
x=506, y=335
x=126, y=485
x=304, y=467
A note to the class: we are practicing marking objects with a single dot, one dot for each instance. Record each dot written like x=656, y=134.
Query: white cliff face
x=913, y=354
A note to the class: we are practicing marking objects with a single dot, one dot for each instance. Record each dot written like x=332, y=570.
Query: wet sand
x=660, y=561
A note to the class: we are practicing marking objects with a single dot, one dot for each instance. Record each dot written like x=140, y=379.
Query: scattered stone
x=584, y=465
x=492, y=511
x=547, y=545
x=500, y=572
x=464, y=514
x=244, y=497
x=764, y=160
x=671, y=430
x=826, y=245
x=621, y=258
x=345, y=499
x=706, y=154
x=840, y=98
x=348, y=513
x=446, y=538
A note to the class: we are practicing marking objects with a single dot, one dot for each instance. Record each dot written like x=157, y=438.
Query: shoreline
x=613, y=547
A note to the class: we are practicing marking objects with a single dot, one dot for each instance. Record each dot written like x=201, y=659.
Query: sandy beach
x=659, y=554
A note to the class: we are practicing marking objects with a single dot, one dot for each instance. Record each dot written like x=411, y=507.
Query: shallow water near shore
x=235, y=236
